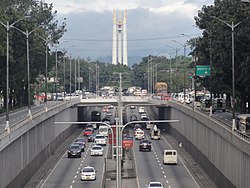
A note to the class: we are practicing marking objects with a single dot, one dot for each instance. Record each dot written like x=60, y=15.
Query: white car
x=132, y=107
x=96, y=150
x=88, y=173
x=143, y=115
x=139, y=134
x=141, y=110
x=100, y=139
x=155, y=185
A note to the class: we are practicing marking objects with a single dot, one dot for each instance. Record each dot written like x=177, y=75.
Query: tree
x=41, y=16
x=220, y=34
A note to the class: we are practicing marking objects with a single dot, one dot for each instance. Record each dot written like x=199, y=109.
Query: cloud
x=151, y=24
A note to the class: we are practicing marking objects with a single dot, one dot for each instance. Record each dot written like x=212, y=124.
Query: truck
x=155, y=133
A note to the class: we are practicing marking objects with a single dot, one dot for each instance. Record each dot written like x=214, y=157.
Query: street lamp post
x=232, y=26
x=195, y=63
x=183, y=45
x=8, y=26
x=27, y=34
x=149, y=77
x=46, y=40
x=56, y=78
x=170, y=71
x=176, y=54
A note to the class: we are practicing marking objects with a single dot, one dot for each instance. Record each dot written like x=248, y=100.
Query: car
x=81, y=145
x=87, y=132
x=132, y=107
x=143, y=115
x=145, y=145
x=155, y=184
x=138, y=126
x=133, y=117
x=109, y=114
x=82, y=140
x=88, y=173
x=139, y=134
x=141, y=110
x=89, y=126
x=91, y=137
x=96, y=150
x=74, y=150
x=110, y=107
x=105, y=109
x=101, y=139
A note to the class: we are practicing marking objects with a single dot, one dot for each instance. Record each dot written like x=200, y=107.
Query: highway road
x=150, y=167
x=149, y=164
x=66, y=173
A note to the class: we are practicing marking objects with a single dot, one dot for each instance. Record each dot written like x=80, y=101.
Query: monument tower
x=119, y=50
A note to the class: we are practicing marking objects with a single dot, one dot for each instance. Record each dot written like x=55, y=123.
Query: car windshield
x=155, y=185
x=74, y=147
x=88, y=170
x=96, y=148
x=79, y=143
x=80, y=140
x=100, y=137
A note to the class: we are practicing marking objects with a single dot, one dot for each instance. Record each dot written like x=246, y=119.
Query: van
x=170, y=157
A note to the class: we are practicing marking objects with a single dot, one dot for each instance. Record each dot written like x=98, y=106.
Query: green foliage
x=220, y=36
x=42, y=22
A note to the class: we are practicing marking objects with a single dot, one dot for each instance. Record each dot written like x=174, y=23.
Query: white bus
x=170, y=157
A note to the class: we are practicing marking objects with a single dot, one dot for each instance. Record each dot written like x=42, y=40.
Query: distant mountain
x=131, y=60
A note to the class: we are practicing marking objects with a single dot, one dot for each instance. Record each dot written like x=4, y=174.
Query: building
x=119, y=50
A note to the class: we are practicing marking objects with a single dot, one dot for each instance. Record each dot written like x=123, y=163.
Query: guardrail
x=36, y=114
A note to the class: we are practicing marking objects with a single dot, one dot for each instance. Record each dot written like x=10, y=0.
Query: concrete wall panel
x=21, y=158
x=225, y=156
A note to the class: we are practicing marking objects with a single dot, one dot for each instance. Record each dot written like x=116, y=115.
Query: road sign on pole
x=202, y=70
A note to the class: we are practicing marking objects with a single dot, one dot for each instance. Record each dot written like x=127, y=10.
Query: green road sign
x=202, y=70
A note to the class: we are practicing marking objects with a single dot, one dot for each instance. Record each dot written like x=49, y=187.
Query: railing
x=36, y=114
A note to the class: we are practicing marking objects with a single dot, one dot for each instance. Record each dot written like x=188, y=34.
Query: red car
x=87, y=132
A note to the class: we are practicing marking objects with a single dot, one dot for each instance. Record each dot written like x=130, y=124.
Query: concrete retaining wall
x=223, y=155
x=20, y=159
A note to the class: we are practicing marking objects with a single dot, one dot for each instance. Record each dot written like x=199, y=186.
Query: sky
x=152, y=25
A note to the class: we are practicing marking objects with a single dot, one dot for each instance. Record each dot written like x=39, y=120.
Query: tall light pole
x=176, y=54
x=232, y=26
x=8, y=26
x=97, y=79
x=195, y=63
x=170, y=69
x=183, y=45
x=47, y=41
x=64, y=69
x=149, y=76
x=56, y=77
x=27, y=34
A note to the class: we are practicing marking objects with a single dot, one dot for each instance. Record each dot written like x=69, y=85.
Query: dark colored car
x=81, y=145
x=145, y=145
x=74, y=150
x=91, y=138
x=82, y=140
x=87, y=132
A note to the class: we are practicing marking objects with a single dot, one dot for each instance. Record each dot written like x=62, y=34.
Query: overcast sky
x=151, y=25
